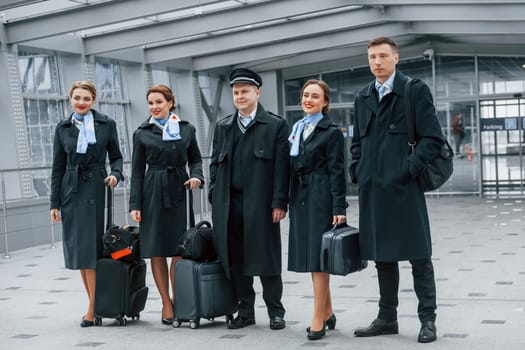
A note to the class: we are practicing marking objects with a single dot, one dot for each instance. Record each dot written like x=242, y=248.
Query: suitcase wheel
x=229, y=318
x=98, y=321
x=176, y=323
x=136, y=317
x=194, y=324
x=122, y=321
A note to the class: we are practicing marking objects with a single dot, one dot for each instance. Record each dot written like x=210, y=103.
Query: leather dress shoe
x=316, y=335
x=240, y=322
x=427, y=334
x=86, y=323
x=277, y=323
x=378, y=327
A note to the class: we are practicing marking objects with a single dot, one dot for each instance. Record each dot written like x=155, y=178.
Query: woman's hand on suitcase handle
x=135, y=215
x=192, y=183
x=55, y=215
x=111, y=180
x=278, y=214
x=339, y=220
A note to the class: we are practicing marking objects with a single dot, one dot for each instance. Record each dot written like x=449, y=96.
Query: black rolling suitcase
x=121, y=284
x=201, y=287
x=202, y=291
x=120, y=291
x=340, y=252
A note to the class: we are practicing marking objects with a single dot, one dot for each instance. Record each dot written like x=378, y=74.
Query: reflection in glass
x=116, y=111
x=38, y=73
x=42, y=117
x=340, y=84
x=455, y=76
x=498, y=75
x=107, y=77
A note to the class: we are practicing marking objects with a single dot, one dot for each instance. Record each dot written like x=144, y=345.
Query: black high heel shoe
x=330, y=323
x=168, y=321
x=86, y=323
x=316, y=335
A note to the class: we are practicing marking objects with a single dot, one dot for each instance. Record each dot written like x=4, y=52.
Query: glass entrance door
x=502, y=124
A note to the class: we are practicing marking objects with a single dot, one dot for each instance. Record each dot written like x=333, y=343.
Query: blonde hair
x=84, y=84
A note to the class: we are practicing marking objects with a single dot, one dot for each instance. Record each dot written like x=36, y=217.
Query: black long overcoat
x=393, y=217
x=159, y=191
x=77, y=188
x=317, y=193
x=266, y=182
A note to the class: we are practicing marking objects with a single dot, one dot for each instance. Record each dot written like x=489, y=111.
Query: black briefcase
x=340, y=251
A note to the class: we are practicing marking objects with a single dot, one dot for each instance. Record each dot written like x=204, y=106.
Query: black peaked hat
x=243, y=75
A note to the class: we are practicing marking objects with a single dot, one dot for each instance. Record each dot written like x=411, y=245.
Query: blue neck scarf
x=171, y=128
x=297, y=131
x=86, y=132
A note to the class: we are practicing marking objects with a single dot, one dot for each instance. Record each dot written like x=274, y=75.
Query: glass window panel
x=116, y=112
x=339, y=83
x=455, y=76
x=293, y=90
x=42, y=117
x=117, y=87
x=340, y=116
x=162, y=77
x=107, y=77
x=38, y=73
x=499, y=75
x=420, y=69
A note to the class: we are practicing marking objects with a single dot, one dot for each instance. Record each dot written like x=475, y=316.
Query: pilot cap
x=243, y=75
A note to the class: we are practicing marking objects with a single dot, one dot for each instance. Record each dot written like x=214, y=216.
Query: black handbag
x=119, y=243
x=439, y=170
x=122, y=243
x=196, y=243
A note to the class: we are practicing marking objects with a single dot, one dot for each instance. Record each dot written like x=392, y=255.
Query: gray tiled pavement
x=479, y=255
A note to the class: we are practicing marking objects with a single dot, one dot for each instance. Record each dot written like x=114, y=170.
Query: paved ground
x=479, y=255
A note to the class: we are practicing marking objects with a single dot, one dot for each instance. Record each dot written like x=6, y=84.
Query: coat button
x=302, y=202
x=173, y=147
x=392, y=126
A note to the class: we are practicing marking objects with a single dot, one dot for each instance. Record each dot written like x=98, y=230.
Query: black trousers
x=424, y=286
x=243, y=284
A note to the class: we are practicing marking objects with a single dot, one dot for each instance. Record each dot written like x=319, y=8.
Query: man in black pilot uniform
x=249, y=176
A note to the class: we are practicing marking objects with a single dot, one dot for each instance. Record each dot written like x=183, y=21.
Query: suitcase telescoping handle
x=109, y=206
x=188, y=207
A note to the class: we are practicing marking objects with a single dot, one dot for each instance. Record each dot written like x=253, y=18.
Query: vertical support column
x=146, y=71
x=88, y=63
x=19, y=117
x=199, y=114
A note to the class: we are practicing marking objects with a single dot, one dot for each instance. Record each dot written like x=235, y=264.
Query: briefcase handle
x=336, y=226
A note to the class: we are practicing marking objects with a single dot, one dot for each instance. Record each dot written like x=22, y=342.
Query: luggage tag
x=121, y=253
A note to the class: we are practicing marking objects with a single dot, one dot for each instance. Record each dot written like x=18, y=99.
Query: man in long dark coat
x=249, y=176
x=393, y=215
